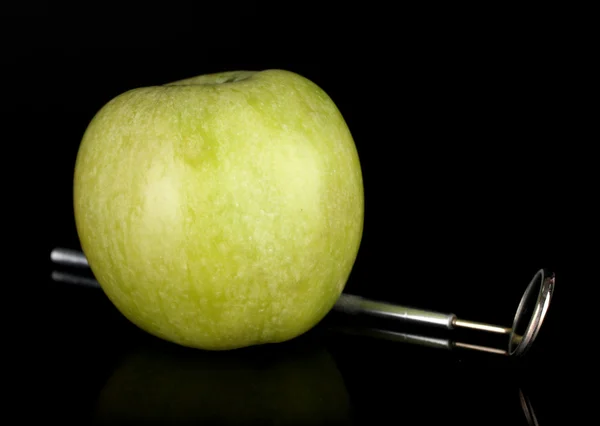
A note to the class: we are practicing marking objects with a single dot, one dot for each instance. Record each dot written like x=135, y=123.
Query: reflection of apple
x=156, y=386
x=221, y=211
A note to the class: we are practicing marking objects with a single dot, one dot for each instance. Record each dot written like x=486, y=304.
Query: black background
x=477, y=173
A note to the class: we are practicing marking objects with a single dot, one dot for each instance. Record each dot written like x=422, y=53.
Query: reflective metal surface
x=355, y=304
x=519, y=343
x=415, y=339
x=69, y=257
x=528, y=409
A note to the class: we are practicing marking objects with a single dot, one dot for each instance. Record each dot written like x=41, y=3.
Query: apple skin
x=221, y=211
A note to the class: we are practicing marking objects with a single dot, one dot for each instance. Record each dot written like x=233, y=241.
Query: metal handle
x=355, y=304
x=68, y=257
x=352, y=304
x=518, y=344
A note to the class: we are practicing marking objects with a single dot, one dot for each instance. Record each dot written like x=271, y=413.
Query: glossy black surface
x=93, y=367
x=473, y=182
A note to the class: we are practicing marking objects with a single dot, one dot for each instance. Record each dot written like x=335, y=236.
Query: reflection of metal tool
x=519, y=341
x=528, y=409
x=413, y=339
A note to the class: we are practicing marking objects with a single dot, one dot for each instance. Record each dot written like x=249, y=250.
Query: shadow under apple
x=283, y=386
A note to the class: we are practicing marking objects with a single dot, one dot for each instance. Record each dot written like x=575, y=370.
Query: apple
x=221, y=211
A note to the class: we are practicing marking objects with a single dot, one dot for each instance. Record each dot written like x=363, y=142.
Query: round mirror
x=531, y=312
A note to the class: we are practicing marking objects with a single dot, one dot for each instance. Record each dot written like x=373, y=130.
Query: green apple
x=221, y=211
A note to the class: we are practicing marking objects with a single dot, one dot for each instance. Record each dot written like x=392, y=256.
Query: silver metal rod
x=414, y=339
x=352, y=304
x=348, y=303
x=481, y=326
x=69, y=257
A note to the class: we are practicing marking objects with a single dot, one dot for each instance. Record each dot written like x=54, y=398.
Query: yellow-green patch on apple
x=221, y=211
